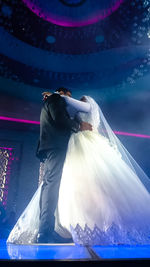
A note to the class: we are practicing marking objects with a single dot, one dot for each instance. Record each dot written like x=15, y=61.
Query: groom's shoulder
x=53, y=98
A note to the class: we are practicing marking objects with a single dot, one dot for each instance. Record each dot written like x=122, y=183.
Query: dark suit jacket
x=55, y=125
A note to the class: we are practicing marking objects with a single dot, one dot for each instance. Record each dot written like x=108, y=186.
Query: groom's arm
x=57, y=109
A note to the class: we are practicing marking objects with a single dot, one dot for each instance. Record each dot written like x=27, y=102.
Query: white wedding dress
x=104, y=195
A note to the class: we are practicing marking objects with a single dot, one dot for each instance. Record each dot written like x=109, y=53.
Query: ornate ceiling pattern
x=72, y=42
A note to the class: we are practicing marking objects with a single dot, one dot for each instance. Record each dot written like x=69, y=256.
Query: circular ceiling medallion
x=61, y=12
x=72, y=3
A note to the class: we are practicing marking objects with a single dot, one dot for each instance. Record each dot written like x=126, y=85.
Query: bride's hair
x=46, y=95
x=83, y=98
x=65, y=90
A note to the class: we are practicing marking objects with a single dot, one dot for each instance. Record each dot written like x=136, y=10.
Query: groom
x=55, y=129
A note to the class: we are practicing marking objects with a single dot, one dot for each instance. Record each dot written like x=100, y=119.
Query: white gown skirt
x=101, y=200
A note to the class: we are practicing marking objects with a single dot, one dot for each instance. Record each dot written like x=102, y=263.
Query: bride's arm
x=80, y=106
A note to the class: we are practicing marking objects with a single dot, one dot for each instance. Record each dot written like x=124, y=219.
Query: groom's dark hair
x=65, y=90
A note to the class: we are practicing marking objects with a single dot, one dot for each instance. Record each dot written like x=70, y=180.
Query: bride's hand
x=45, y=95
x=85, y=126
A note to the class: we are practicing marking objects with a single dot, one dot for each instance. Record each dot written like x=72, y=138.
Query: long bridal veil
x=98, y=120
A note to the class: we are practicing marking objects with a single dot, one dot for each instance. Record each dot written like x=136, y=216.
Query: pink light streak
x=132, y=134
x=38, y=123
x=18, y=120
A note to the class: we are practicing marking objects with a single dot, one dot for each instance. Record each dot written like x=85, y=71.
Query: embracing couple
x=59, y=118
x=92, y=192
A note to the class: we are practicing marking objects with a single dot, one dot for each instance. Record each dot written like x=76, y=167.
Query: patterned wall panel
x=6, y=159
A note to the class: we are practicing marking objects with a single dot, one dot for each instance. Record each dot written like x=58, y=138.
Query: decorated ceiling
x=86, y=43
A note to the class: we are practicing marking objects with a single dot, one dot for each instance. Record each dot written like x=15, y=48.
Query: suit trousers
x=53, y=167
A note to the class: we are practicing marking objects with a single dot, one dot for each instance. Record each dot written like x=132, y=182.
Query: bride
x=104, y=195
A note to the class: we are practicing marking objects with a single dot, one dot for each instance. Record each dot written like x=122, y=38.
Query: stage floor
x=71, y=252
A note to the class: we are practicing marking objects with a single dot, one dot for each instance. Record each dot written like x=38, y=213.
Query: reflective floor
x=71, y=252
x=51, y=252
x=123, y=252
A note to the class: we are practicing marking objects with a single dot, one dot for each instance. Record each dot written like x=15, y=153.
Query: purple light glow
x=7, y=148
x=66, y=22
x=37, y=122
